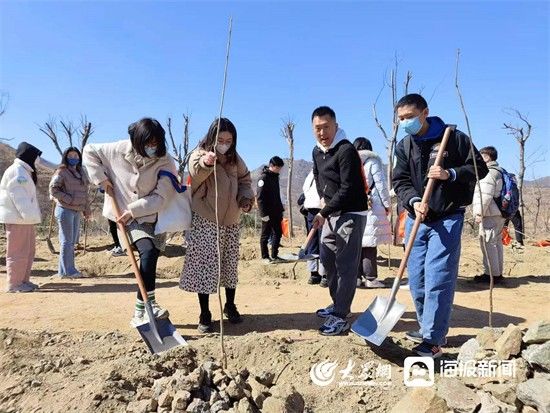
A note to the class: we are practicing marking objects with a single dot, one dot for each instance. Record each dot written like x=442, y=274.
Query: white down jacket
x=378, y=229
x=18, y=202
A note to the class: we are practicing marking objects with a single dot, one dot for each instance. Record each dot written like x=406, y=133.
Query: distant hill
x=299, y=173
x=543, y=182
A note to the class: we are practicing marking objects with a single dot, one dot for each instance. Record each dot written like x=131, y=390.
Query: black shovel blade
x=164, y=338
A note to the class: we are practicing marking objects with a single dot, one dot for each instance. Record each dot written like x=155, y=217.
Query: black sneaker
x=486, y=278
x=314, y=279
x=232, y=314
x=414, y=336
x=324, y=282
x=425, y=349
x=205, y=323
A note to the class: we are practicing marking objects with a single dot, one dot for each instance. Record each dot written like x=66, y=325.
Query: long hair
x=65, y=161
x=208, y=142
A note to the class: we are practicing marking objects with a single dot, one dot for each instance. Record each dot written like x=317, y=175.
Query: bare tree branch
x=50, y=130
x=287, y=132
x=86, y=130
x=4, y=99
x=69, y=131
x=478, y=185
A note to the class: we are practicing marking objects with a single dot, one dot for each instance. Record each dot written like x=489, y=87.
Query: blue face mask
x=411, y=126
x=151, y=151
x=73, y=161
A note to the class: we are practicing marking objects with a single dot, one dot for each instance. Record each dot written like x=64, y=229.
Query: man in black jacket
x=433, y=263
x=268, y=196
x=340, y=183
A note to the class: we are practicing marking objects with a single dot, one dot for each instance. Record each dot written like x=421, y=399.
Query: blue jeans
x=433, y=270
x=69, y=226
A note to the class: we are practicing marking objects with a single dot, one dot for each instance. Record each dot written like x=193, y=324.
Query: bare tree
x=180, y=152
x=287, y=132
x=537, y=195
x=4, y=99
x=69, y=131
x=521, y=133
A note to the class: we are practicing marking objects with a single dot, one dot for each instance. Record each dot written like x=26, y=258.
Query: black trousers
x=271, y=228
x=148, y=257
x=368, y=267
x=114, y=232
x=518, y=226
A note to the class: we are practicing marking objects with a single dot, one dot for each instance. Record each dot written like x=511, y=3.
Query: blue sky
x=119, y=61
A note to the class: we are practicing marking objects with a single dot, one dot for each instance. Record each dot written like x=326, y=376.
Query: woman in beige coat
x=69, y=189
x=130, y=168
x=200, y=271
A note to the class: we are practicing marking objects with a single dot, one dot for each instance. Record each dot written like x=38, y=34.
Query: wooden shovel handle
x=310, y=236
x=128, y=246
x=52, y=213
x=425, y=199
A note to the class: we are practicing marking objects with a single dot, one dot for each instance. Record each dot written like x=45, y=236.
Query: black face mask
x=28, y=154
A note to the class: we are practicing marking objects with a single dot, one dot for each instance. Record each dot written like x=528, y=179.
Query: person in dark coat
x=268, y=197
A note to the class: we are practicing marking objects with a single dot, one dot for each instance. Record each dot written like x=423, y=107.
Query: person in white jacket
x=488, y=215
x=20, y=212
x=131, y=169
x=378, y=228
x=311, y=206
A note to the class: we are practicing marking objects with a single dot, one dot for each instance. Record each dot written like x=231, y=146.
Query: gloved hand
x=265, y=219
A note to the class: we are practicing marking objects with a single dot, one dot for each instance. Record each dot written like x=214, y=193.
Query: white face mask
x=222, y=148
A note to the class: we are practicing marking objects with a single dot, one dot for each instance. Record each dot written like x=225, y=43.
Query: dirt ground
x=80, y=327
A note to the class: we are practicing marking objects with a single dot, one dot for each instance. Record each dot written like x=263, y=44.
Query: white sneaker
x=77, y=274
x=117, y=252
x=22, y=288
x=140, y=317
x=33, y=285
x=405, y=287
x=159, y=312
x=374, y=284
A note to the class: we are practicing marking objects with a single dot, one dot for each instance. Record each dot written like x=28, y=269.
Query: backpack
x=508, y=201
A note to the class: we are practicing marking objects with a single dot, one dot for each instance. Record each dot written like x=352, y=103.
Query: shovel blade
x=165, y=330
x=295, y=258
x=373, y=325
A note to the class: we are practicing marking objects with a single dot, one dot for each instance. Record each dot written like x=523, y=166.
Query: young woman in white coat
x=378, y=229
x=20, y=212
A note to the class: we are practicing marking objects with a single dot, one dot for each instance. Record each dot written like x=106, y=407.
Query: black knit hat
x=28, y=154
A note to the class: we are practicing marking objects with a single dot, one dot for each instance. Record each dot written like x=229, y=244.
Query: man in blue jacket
x=433, y=263
x=337, y=170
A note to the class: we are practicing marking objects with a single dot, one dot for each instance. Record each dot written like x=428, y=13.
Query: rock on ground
x=535, y=393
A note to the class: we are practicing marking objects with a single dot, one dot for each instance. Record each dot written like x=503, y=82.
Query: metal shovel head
x=373, y=325
x=169, y=337
x=159, y=334
x=296, y=258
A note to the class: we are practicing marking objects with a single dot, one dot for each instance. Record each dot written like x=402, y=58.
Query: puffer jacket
x=378, y=228
x=491, y=186
x=18, y=202
x=137, y=186
x=69, y=188
x=234, y=188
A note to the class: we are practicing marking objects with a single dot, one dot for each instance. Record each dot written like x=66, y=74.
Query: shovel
x=382, y=315
x=49, y=238
x=302, y=256
x=159, y=334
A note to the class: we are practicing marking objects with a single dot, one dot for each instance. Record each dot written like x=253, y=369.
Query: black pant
x=148, y=257
x=271, y=227
x=368, y=267
x=518, y=226
x=114, y=232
